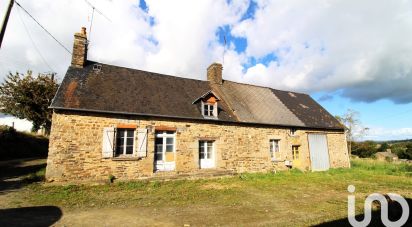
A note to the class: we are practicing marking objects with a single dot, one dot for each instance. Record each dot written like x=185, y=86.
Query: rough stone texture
x=75, y=150
x=79, y=54
x=214, y=73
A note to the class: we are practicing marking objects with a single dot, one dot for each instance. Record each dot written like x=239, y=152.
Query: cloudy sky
x=344, y=53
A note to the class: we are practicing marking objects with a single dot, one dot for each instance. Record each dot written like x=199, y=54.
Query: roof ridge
x=147, y=71
x=180, y=77
x=260, y=86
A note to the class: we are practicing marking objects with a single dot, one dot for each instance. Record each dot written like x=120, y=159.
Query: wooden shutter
x=108, y=142
x=141, y=142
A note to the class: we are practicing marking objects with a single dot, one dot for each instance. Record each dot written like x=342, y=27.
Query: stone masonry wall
x=75, y=149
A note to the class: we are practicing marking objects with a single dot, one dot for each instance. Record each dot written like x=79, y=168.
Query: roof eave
x=191, y=118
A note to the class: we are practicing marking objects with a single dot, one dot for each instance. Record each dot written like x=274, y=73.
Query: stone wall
x=75, y=149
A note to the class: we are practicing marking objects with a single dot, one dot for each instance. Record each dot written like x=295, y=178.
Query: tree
x=406, y=153
x=353, y=127
x=28, y=97
x=383, y=147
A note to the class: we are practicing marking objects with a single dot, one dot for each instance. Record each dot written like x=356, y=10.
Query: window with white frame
x=274, y=149
x=208, y=109
x=206, y=154
x=124, y=141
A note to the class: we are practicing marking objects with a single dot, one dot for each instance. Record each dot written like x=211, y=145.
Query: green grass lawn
x=290, y=198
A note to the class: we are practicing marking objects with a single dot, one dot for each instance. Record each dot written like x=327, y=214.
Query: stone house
x=386, y=156
x=132, y=124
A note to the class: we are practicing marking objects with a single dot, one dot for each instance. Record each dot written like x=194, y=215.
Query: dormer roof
x=206, y=96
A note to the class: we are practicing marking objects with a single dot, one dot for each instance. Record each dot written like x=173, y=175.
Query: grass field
x=291, y=198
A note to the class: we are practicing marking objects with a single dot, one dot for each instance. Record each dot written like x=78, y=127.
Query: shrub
x=364, y=149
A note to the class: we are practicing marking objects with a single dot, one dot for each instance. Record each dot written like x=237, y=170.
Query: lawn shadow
x=394, y=214
x=15, y=174
x=30, y=216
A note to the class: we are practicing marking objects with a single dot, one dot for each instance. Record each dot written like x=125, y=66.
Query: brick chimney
x=214, y=73
x=79, y=55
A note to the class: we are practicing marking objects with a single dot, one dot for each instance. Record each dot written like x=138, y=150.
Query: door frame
x=213, y=154
x=163, y=165
x=327, y=149
x=296, y=162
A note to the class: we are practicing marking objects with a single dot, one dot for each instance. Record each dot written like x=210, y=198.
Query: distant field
x=291, y=198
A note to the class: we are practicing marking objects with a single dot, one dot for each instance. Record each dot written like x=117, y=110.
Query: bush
x=365, y=149
x=14, y=144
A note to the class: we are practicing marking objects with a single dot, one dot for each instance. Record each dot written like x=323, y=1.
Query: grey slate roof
x=114, y=89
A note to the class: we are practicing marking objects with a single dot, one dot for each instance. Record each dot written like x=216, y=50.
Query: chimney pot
x=79, y=54
x=214, y=73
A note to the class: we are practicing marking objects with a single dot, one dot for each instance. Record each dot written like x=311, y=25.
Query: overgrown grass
x=380, y=167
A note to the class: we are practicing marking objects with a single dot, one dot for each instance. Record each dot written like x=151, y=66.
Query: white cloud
x=321, y=45
x=379, y=133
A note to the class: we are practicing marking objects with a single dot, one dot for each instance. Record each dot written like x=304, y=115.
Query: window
x=293, y=131
x=274, y=149
x=295, y=152
x=206, y=154
x=208, y=110
x=124, y=141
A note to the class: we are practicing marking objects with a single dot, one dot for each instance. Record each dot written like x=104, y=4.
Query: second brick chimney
x=214, y=73
x=79, y=55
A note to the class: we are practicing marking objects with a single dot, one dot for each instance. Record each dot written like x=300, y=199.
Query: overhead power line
x=68, y=51
x=34, y=44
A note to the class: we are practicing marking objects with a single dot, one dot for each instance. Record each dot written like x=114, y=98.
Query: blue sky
x=345, y=54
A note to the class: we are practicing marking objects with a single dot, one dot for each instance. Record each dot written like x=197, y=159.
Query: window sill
x=210, y=117
x=126, y=158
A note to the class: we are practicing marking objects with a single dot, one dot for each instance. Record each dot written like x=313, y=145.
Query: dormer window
x=208, y=104
x=209, y=110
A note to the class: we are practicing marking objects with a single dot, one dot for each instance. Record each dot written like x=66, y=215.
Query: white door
x=165, y=151
x=319, y=154
x=206, y=154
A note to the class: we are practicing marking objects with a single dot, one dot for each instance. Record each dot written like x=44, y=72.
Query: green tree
x=406, y=153
x=364, y=149
x=383, y=147
x=28, y=97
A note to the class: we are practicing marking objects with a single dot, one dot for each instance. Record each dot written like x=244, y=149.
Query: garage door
x=319, y=154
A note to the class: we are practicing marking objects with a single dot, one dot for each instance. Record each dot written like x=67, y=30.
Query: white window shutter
x=108, y=142
x=141, y=142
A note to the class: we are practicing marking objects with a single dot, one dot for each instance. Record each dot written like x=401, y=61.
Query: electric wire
x=68, y=51
x=34, y=44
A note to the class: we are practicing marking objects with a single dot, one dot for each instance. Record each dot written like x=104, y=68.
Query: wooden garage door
x=319, y=154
